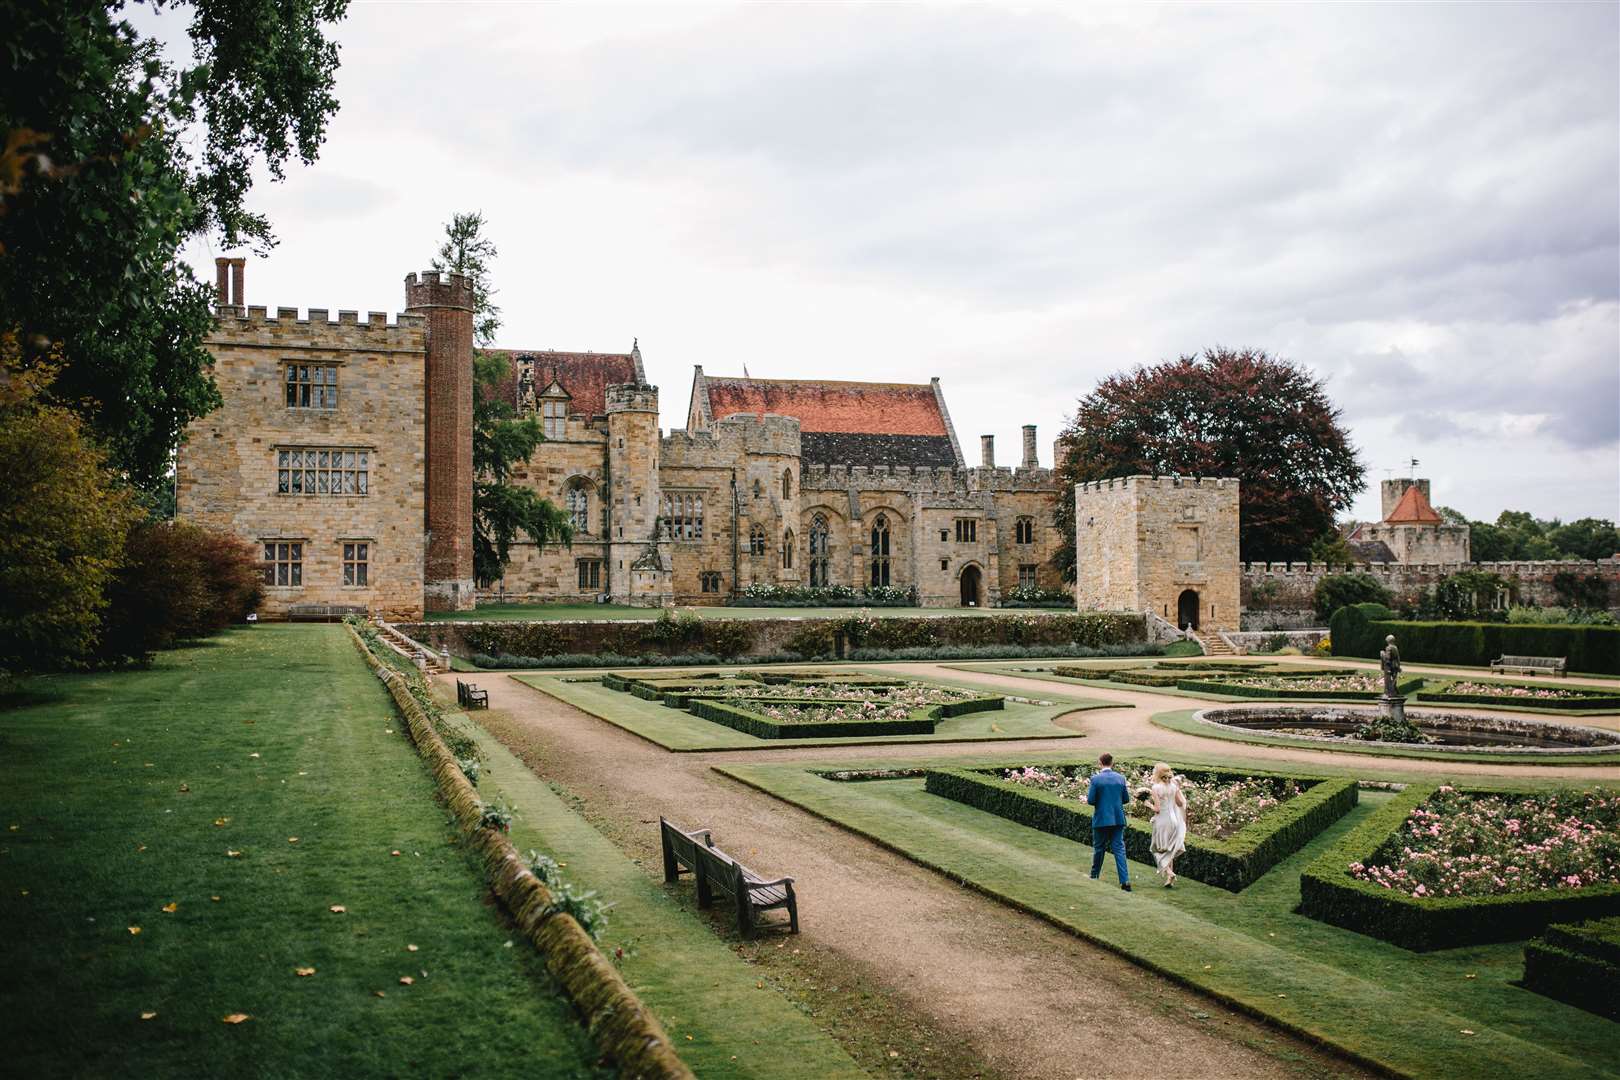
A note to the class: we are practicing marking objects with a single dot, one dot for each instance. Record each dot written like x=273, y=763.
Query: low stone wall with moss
x=622, y=1026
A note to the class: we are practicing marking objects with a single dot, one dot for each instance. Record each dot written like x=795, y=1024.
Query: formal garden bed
x=1578, y=963
x=1392, y=1011
x=750, y=708
x=798, y=705
x=1486, y=735
x=1240, y=824
x=1442, y=866
x=1520, y=695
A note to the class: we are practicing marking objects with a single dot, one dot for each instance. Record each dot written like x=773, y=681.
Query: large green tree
x=1237, y=413
x=502, y=439
x=1518, y=536
x=111, y=159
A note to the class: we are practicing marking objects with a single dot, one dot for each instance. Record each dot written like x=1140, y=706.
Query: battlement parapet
x=1537, y=567
x=632, y=397
x=435, y=289
x=1130, y=483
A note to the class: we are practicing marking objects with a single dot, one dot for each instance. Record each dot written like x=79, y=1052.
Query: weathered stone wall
x=1280, y=594
x=226, y=471
x=1422, y=543
x=1143, y=543
x=577, y=460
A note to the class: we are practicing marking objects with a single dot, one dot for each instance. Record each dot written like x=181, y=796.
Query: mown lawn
x=148, y=866
x=1454, y=1012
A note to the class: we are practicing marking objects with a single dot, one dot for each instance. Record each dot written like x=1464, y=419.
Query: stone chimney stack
x=238, y=275
x=1030, y=460
x=987, y=451
x=222, y=282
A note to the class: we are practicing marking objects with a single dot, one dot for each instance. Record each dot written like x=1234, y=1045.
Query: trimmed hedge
x=1578, y=964
x=763, y=727
x=1329, y=894
x=1232, y=864
x=1584, y=700
x=1587, y=648
x=1202, y=686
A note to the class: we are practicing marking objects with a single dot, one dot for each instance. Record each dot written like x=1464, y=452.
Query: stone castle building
x=343, y=451
x=1412, y=530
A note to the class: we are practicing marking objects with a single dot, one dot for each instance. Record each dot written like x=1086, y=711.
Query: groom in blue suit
x=1107, y=793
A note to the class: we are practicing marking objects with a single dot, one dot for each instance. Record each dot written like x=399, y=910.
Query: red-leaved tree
x=1239, y=413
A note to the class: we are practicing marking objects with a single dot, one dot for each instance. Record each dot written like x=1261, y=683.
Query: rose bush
x=1216, y=809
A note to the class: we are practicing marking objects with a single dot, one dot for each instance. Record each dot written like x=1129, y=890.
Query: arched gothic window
x=1024, y=530
x=787, y=550
x=819, y=562
x=880, y=550
x=578, y=500
x=787, y=483
x=756, y=540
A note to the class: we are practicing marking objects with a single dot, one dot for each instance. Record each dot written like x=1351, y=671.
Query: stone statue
x=1390, y=661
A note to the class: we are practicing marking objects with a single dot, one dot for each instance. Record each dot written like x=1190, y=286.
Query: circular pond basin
x=1329, y=724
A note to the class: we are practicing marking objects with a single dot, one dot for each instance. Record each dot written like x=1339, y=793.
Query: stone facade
x=1411, y=531
x=230, y=472
x=1161, y=544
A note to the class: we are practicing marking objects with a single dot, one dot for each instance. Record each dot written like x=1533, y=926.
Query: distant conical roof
x=1413, y=509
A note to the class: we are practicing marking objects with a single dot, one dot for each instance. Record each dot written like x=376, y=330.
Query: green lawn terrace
x=1441, y=1012
x=749, y=709
x=245, y=828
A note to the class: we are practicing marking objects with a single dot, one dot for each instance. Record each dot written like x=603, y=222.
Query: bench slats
x=715, y=871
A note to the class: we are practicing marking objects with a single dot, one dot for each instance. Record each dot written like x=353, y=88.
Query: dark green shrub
x=1587, y=648
x=921, y=722
x=1350, y=629
x=1232, y=864
x=1329, y=894
x=1573, y=977
x=1342, y=590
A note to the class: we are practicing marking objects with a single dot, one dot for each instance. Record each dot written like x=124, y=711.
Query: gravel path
x=1028, y=999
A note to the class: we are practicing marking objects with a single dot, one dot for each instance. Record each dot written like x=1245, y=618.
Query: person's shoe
x=1126, y=886
x=1094, y=877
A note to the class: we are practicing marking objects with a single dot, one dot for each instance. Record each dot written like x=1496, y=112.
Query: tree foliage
x=1519, y=536
x=1335, y=591
x=1238, y=413
x=503, y=512
x=116, y=157
x=63, y=522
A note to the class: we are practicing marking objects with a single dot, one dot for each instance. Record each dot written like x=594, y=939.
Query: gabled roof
x=1413, y=509
x=584, y=375
x=843, y=423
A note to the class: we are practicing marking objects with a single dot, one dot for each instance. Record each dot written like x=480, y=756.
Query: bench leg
x=705, y=897
x=793, y=913
x=672, y=869
x=745, y=914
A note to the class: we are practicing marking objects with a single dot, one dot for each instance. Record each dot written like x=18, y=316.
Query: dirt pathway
x=1028, y=999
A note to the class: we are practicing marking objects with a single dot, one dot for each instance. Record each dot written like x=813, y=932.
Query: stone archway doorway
x=971, y=580
x=1187, y=610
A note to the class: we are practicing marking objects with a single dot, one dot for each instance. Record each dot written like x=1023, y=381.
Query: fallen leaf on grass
x=255, y=754
x=1465, y=1031
x=395, y=853
x=406, y=980
x=337, y=909
x=14, y=828
x=171, y=907
x=292, y=839
x=236, y=1018
x=1470, y=976
x=894, y=1053
x=689, y=1038
x=412, y=948
x=215, y=899
x=140, y=848
x=133, y=930
x=221, y=820
x=229, y=854
x=378, y=993
x=184, y=788
x=303, y=972
x=148, y=1016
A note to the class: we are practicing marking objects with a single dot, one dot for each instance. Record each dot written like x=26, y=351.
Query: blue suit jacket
x=1107, y=792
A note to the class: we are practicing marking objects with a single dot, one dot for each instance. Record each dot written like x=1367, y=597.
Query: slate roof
x=1370, y=551
x=585, y=375
x=1413, y=509
x=843, y=423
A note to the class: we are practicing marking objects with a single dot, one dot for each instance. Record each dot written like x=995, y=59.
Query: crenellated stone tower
x=446, y=304
x=638, y=549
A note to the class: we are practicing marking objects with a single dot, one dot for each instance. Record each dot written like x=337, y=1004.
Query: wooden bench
x=322, y=612
x=469, y=696
x=694, y=853
x=1531, y=665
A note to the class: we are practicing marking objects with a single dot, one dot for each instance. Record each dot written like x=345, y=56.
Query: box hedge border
x=1578, y=964
x=1212, y=686
x=1587, y=648
x=921, y=722
x=1592, y=701
x=1232, y=864
x=1329, y=894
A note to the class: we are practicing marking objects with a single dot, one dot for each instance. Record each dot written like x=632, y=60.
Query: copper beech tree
x=1241, y=413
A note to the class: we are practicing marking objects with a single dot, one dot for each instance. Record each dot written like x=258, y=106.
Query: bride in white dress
x=1169, y=821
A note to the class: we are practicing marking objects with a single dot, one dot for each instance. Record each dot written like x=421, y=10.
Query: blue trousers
x=1109, y=838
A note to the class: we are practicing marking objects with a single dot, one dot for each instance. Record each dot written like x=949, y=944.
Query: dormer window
x=554, y=410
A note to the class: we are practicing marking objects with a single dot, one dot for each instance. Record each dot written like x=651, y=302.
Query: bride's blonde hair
x=1161, y=771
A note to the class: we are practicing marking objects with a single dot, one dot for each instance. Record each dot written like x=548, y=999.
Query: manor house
x=343, y=452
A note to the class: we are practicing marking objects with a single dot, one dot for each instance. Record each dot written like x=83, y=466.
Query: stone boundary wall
x=1291, y=585
x=745, y=638
x=622, y=1026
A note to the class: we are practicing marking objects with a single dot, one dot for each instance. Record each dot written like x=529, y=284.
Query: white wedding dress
x=1169, y=826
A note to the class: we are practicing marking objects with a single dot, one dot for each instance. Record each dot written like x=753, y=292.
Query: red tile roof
x=585, y=375
x=828, y=406
x=1413, y=509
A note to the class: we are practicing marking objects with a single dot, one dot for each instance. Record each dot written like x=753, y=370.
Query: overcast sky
x=1422, y=204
